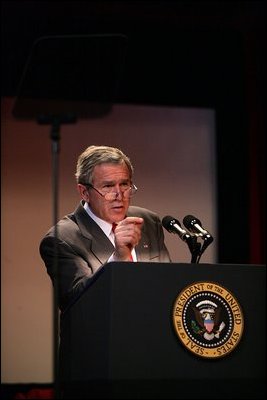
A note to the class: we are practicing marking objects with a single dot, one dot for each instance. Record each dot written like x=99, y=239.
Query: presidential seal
x=208, y=319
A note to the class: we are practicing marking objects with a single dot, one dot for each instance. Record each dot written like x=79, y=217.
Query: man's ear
x=83, y=191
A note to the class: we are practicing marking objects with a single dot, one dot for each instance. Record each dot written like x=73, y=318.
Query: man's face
x=108, y=177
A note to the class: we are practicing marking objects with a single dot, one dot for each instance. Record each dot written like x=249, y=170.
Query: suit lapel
x=143, y=248
x=98, y=242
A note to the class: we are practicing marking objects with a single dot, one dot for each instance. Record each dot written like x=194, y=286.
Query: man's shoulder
x=67, y=223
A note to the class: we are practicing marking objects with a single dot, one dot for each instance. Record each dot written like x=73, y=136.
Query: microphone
x=194, y=225
x=172, y=225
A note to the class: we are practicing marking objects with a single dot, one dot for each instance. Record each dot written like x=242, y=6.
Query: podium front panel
x=121, y=328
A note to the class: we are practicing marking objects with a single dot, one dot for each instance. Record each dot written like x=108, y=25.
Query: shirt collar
x=104, y=225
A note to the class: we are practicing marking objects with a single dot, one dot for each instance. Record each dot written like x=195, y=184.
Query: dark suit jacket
x=83, y=248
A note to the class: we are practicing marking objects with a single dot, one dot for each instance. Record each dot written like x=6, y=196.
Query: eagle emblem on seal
x=208, y=323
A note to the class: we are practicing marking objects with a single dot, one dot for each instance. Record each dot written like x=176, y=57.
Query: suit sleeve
x=74, y=270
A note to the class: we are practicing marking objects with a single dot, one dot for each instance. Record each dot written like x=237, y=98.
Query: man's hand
x=127, y=235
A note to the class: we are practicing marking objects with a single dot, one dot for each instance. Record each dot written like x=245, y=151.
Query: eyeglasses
x=126, y=190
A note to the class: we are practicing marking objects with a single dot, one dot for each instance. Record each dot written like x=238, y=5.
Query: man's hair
x=95, y=155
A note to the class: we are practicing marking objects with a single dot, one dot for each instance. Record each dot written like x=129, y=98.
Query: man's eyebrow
x=112, y=182
x=108, y=181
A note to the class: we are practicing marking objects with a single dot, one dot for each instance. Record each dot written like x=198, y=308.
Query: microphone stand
x=195, y=249
x=55, y=149
x=55, y=122
x=55, y=137
x=208, y=239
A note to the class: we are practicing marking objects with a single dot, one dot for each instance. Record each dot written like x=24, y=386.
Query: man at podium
x=103, y=227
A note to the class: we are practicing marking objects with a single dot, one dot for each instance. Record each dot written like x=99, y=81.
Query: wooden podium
x=118, y=339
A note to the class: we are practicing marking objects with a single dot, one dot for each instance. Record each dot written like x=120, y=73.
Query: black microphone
x=194, y=225
x=172, y=225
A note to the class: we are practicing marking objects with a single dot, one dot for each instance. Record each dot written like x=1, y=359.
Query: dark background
x=184, y=53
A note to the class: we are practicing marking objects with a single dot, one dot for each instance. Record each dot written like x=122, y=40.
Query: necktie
x=113, y=229
x=114, y=226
